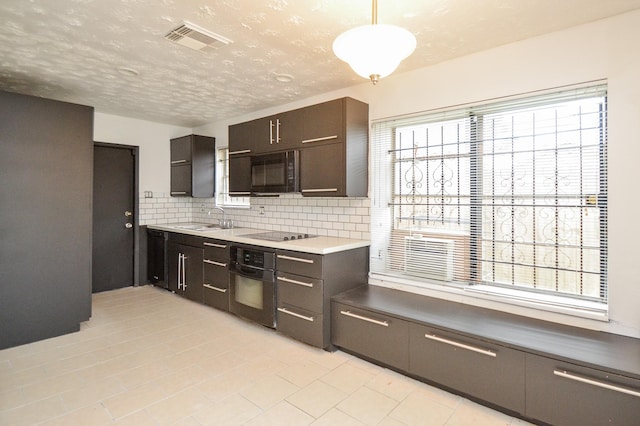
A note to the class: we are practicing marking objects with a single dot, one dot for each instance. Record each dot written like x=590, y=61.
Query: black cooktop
x=279, y=236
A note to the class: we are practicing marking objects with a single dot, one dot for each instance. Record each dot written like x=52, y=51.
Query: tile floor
x=148, y=357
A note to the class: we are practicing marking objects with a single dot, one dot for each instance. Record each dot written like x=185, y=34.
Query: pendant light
x=374, y=51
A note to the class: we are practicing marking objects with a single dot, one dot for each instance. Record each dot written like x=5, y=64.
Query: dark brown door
x=113, y=217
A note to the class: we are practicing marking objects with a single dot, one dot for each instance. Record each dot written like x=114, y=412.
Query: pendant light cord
x=374, y=12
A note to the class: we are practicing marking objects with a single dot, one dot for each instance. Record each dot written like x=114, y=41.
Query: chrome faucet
x=222, y=210
x=224, y=223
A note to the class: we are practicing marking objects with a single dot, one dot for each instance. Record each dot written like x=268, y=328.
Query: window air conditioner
x=430, y=258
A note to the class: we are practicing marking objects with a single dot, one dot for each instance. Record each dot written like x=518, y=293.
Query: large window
x=511, y=195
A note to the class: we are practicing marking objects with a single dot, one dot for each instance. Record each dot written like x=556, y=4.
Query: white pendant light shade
x=374, y=51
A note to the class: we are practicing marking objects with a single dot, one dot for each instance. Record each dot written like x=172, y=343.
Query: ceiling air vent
x=195, y=37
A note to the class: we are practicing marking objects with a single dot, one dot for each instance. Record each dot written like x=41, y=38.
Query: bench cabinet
x=533, y=369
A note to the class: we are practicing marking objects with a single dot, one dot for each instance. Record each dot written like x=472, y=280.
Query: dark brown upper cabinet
x=332, y=138
x=193, y=166
x=239, y=175
x=269, y=134
x=334, y=154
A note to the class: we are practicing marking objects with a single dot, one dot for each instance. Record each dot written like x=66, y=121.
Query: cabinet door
x=181, y=150
x=203, y=167
x=288, y=130
x=323, y=123
x=181, y=180
x=244, y=137
x=560, y=393
x=239, y=175
x=490, y=372
x=216, y=284
x=322, y=170
x=193, y=273
x=309, y=265
x=185, y=268
x=303, y=325
x=299, y=291
x=371, y=334
x=173, y=259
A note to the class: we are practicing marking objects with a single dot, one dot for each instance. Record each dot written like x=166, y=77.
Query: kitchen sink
x=201, y=226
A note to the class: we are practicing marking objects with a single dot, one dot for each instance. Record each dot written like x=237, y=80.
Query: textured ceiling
x=71, y=50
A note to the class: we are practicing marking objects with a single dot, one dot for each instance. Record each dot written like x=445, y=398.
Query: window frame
x=222, y=198
x=475, y=284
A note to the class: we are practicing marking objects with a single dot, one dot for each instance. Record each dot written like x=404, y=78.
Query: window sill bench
x=532, y=368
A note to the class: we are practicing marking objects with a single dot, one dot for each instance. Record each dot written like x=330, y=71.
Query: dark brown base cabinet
x=378, y=337
x=470, y=366
x=305, y=284
x=533, y=369
x=561, y=393
x=184, y=269
x=216, y=274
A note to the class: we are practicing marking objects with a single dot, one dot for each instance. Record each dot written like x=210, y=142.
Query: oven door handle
x=247, y=271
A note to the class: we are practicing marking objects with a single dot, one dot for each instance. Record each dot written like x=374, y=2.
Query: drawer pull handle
x=212, y=262
x=288, y=312
x=461, y=345
x=242, y=151
x=289, y=280
x=221, y=290
x=178, y=161
x=577, y=378
x=325, y=138
x=320, y=190
x=360, y=317
x=295, y=259
x=215, y=245
x=178, y=192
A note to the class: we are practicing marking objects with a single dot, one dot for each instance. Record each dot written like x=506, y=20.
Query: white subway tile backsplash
x=335, y=217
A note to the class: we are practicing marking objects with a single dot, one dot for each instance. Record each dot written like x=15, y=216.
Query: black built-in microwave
x=276, y=172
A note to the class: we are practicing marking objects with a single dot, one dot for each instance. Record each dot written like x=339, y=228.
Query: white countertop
x=317, y=245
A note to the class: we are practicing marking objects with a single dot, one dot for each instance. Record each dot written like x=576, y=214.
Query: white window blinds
x=509, y=194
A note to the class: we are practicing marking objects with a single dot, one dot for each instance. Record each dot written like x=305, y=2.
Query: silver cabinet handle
x=320, y=190
x=178, y=161
x=598, y=383
x=461, y=345
x=289, y=280
x=295, y=259
x=178, y=192
x=277, y=130
x=213, y=262
x=222, y=246
x=325, y=138
x=270, y=132
x=184, y=273
x=288, y=312
x=360, y=317
x=241, y=151
x=221, y=290
x=128, y=225
x=179, y=269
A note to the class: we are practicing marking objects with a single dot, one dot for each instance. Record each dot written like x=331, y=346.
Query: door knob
x=128, y=225
x=128, y=213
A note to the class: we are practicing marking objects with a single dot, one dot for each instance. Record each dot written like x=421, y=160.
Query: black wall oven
x=276, y=172
x=252, y=293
